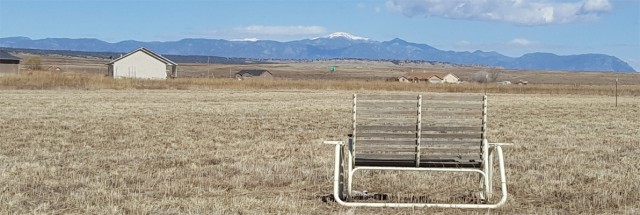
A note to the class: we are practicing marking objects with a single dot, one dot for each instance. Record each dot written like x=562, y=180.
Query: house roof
x=254, y=72
x=424, y=75
x=451, y=75
x=148, y=52
x=6, y=56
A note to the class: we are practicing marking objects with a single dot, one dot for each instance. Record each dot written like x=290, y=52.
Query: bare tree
x=34, y=63
x=493, y=76
x=481, y=77
x=486, y=77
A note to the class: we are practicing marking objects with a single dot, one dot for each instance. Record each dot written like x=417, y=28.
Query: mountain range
x=336, y=45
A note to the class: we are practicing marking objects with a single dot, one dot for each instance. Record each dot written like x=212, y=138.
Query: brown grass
x=259, y=151
x=352, y=70
x=42, y=80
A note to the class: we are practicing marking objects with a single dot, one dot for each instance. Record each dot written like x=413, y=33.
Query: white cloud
x=520, y=12
x=363, y=6
x=520, y=42
x=635, y=63
x=293, y=30
x=597, y=5
x=463, y=43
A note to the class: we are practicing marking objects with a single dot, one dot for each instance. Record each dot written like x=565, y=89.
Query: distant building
x=450, y=78
x=434, y=78
x=403, y=79
x=142, y=63
x=9, y=64
x=54, y=69
x=251, y=74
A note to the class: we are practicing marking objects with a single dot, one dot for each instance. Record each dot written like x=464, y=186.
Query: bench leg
x=338, y=175
x=337, y=187
x=486, y=182
x=483, y=187
x=489, y=188
x=349, y=168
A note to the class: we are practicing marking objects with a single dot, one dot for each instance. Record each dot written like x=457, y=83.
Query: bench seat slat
x=450, y=157
x=384, y=121
x=450, y=143
x=452, y=136
x=470, y=122
x=402, y=156
x=381, y=147
x=453, y=152
x=386, y=142
x=412, y=163
x=449, y=117
x=391, y=148
x=451, y=128
x=424, y=143
x=460, y=156
x=368, y=104
x=452, y=124
x=401, y=112
x=450, y=151
x=461, y=112
x=373, y=106
x=386, y=128
x=436, y=106
x=386, y=135
x=391, y=118
x=452, y=147
x=384, y=156
x=452, y=97
x=408, y=155
x=387, y=97
x=385, y=151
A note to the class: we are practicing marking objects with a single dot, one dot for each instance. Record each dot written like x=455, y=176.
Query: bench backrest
x=419, y=128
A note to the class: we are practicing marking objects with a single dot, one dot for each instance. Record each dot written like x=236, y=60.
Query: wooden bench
x=419, y=133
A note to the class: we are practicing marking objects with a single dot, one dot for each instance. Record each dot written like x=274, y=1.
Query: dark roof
x=6, y=56
x=148, y=52
x=254, y=72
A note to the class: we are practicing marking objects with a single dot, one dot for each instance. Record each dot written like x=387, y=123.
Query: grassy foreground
x=259, y=151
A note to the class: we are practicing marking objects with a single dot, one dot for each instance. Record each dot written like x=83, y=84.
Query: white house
x=9, y=64
x=450, y=78
x=434, y=78
x=403, y=79
x=142, y=63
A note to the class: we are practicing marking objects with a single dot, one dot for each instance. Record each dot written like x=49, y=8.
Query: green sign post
x=332, y=68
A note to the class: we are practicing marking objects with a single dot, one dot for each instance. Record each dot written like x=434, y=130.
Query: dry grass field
x=258, y=151
x=46, y=80
x=349, y=70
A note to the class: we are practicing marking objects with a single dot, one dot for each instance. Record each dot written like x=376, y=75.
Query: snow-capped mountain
x=344, y=35
x=245, y=40
x=336, y=45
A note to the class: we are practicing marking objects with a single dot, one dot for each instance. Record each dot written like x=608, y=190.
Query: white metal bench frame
x=485, y=171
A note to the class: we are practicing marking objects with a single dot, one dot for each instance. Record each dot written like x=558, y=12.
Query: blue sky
x=511, y=27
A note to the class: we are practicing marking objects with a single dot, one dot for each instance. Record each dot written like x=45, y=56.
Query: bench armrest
x=334, y=142
x=501, y=144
